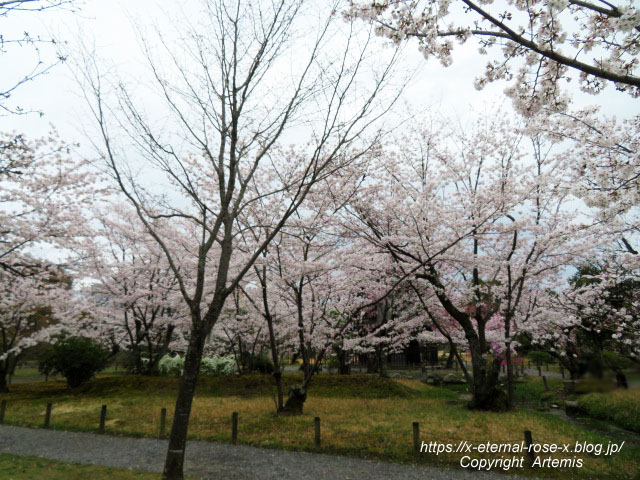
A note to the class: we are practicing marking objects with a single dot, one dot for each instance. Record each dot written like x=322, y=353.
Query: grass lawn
x=362, y=415
x=26, y=372
x=28, y=468
x=31, y=371
x=620, y=406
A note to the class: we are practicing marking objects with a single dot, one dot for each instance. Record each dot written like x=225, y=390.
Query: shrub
x=76, y=358
x=616, y=362
x=216, y=365
x=45, y=360
x=540, y=358
x=128, y=361
x=262, y=364
x=169, y=365
x=620, y=406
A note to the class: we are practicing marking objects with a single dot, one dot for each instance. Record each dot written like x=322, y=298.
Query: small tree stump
x=295, y=402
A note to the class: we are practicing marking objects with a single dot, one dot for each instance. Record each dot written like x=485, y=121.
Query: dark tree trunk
x=343, y=366
x=382, y=363
x=298, y=393
x=173, y=468
x=450, y=359
x=160, y=351
x=621, y=379
x=277, y=372
x=568, y=361
x=487, y=395
x=510, y=379
x=372, y=362
x=4, y=386
x=304, y=352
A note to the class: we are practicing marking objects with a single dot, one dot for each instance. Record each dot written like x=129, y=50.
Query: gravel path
x=214, y=460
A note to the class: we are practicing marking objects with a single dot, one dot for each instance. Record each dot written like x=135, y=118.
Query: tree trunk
x=487, y=395
x=4, y=387
x=372, y=362
x=277, y=373
x=382, y=364
x=510, y=382
x=173, y=467
x=306, y=362
x=450, y=359
x=161, y=349
x=621, y=379
x=343, y=366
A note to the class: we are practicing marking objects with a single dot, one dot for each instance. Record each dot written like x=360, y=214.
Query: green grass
x=362, y=415
x=26, y=372
x=619, y=406
x=531, y=392
x=28, y=468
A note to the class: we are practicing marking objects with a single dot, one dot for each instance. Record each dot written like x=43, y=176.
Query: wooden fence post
x=539, y=370
x=562, y=371
x=317, y=439
x=3, y=407
x=103, y=417
x=163, y=421
x=234, y=428
x=47, y=416
x=416, y=437
x=528, y=441
x=546, y=386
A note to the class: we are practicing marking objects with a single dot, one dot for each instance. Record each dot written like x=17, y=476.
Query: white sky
x=110, y=25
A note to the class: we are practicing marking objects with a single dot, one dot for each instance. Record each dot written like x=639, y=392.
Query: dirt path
x=214, y=460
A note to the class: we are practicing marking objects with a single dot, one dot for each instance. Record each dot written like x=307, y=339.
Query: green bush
x=45, y=360
x=76, y=358
x=262, y=364
x=540, y=358
x=616, y=362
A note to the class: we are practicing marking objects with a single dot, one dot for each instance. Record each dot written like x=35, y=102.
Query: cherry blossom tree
x=42, y=189
x=541, y=42
x=232, y=110
x=241, y=332
x=136, y=297
x=596, y=312
x=478, y=219
x=607, y=173
x=577, y=318
x=25, y=314
x=42, y=186
x=308, y=291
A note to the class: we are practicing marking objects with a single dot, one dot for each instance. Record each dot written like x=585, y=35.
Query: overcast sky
x=109, y=24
